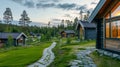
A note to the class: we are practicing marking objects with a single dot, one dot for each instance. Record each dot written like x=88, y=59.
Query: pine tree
x=7, y=16
x=81, y=14
x=24, y=20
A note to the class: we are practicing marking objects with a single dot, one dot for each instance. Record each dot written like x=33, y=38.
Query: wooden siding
x=90, y=33
x=112, y=44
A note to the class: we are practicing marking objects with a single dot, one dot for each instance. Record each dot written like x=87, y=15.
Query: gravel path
x=83, y=59
x=47, y=58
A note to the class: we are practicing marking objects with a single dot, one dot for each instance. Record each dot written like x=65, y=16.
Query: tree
x=7, y=18
x=81, y=14
x=85, y=17
x=88, y=14
x=62, y=23
x=24, y=20
x=75, y=22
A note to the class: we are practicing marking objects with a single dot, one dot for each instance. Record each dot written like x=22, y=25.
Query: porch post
x=100, y=35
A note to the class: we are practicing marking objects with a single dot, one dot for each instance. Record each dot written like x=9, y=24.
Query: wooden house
x=18, y=38
x=86, y=30
x=67, y=33
x=107, y=16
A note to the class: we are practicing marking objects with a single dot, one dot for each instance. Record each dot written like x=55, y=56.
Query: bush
x=10, y=41
x=68, y=41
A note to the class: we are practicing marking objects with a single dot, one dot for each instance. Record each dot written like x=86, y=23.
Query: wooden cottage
x=86, y=30
x=18, y=38
x=67, y=33
x=107, y=17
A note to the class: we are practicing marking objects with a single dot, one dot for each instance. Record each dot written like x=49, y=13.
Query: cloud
x=68, y=15
x=29, y=4
x=82, y=7
x=48, y=5
x=56, y=19
x=42, y=1
x=66, y=6
x=18, y=1
x=51, y=4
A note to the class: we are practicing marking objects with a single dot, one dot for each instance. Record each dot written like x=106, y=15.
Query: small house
x=107, y=16
x=18, y=38
x=67, y=33
x=86, y=30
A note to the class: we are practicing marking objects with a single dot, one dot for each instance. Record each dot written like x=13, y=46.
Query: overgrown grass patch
x=104, y=61
x=22, y=56
x=63, y=56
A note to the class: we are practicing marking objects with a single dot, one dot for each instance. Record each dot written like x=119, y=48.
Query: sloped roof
x=96, y=10
x=102, y=9
x=4, y=35
x=86, y=24
x=68, y=31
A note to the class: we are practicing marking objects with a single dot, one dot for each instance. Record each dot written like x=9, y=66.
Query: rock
x=86, y=66
x=74, y=63
x=74, y=66
x=118, y=57
x=115, y=55
x=93, y=65
x=100, y=51
x=78, y=61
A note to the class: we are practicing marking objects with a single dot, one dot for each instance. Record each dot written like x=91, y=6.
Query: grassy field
x=66, y=52
x=22, y=56
x=104, y=61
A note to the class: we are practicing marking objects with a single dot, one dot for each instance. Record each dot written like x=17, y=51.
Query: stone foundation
x=108, y=53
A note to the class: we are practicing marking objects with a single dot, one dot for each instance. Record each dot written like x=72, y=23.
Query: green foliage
x=68, y=40
x=10, y=41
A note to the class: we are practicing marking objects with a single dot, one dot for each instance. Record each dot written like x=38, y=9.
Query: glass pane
x=107, y=30
x=116, y=10
x=118, y=27
x=114, y=29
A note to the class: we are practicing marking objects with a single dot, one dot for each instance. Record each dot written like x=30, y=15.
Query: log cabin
x=18, y=38
x=107, y=16
x=86, y=30
x=67, y=33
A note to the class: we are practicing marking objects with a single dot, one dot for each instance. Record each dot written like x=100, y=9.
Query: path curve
x=47, y=58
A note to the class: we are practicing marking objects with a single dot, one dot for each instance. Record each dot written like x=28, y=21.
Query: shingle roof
x=6, y=35
x=86, y=24
x=69, y=31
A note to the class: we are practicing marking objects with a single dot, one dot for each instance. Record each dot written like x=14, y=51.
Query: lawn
x=66, y=52
x=22, y=56
x=105, y=61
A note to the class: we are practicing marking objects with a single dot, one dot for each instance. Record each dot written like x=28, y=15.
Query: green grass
x=22, y=56
x=105, y=61
x=63, y=56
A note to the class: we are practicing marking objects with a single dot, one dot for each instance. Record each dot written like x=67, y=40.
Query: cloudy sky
x=47, y=10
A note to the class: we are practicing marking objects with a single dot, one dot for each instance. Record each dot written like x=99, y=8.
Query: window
x=116, y=10
x=112, y=29
x=107, y=30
